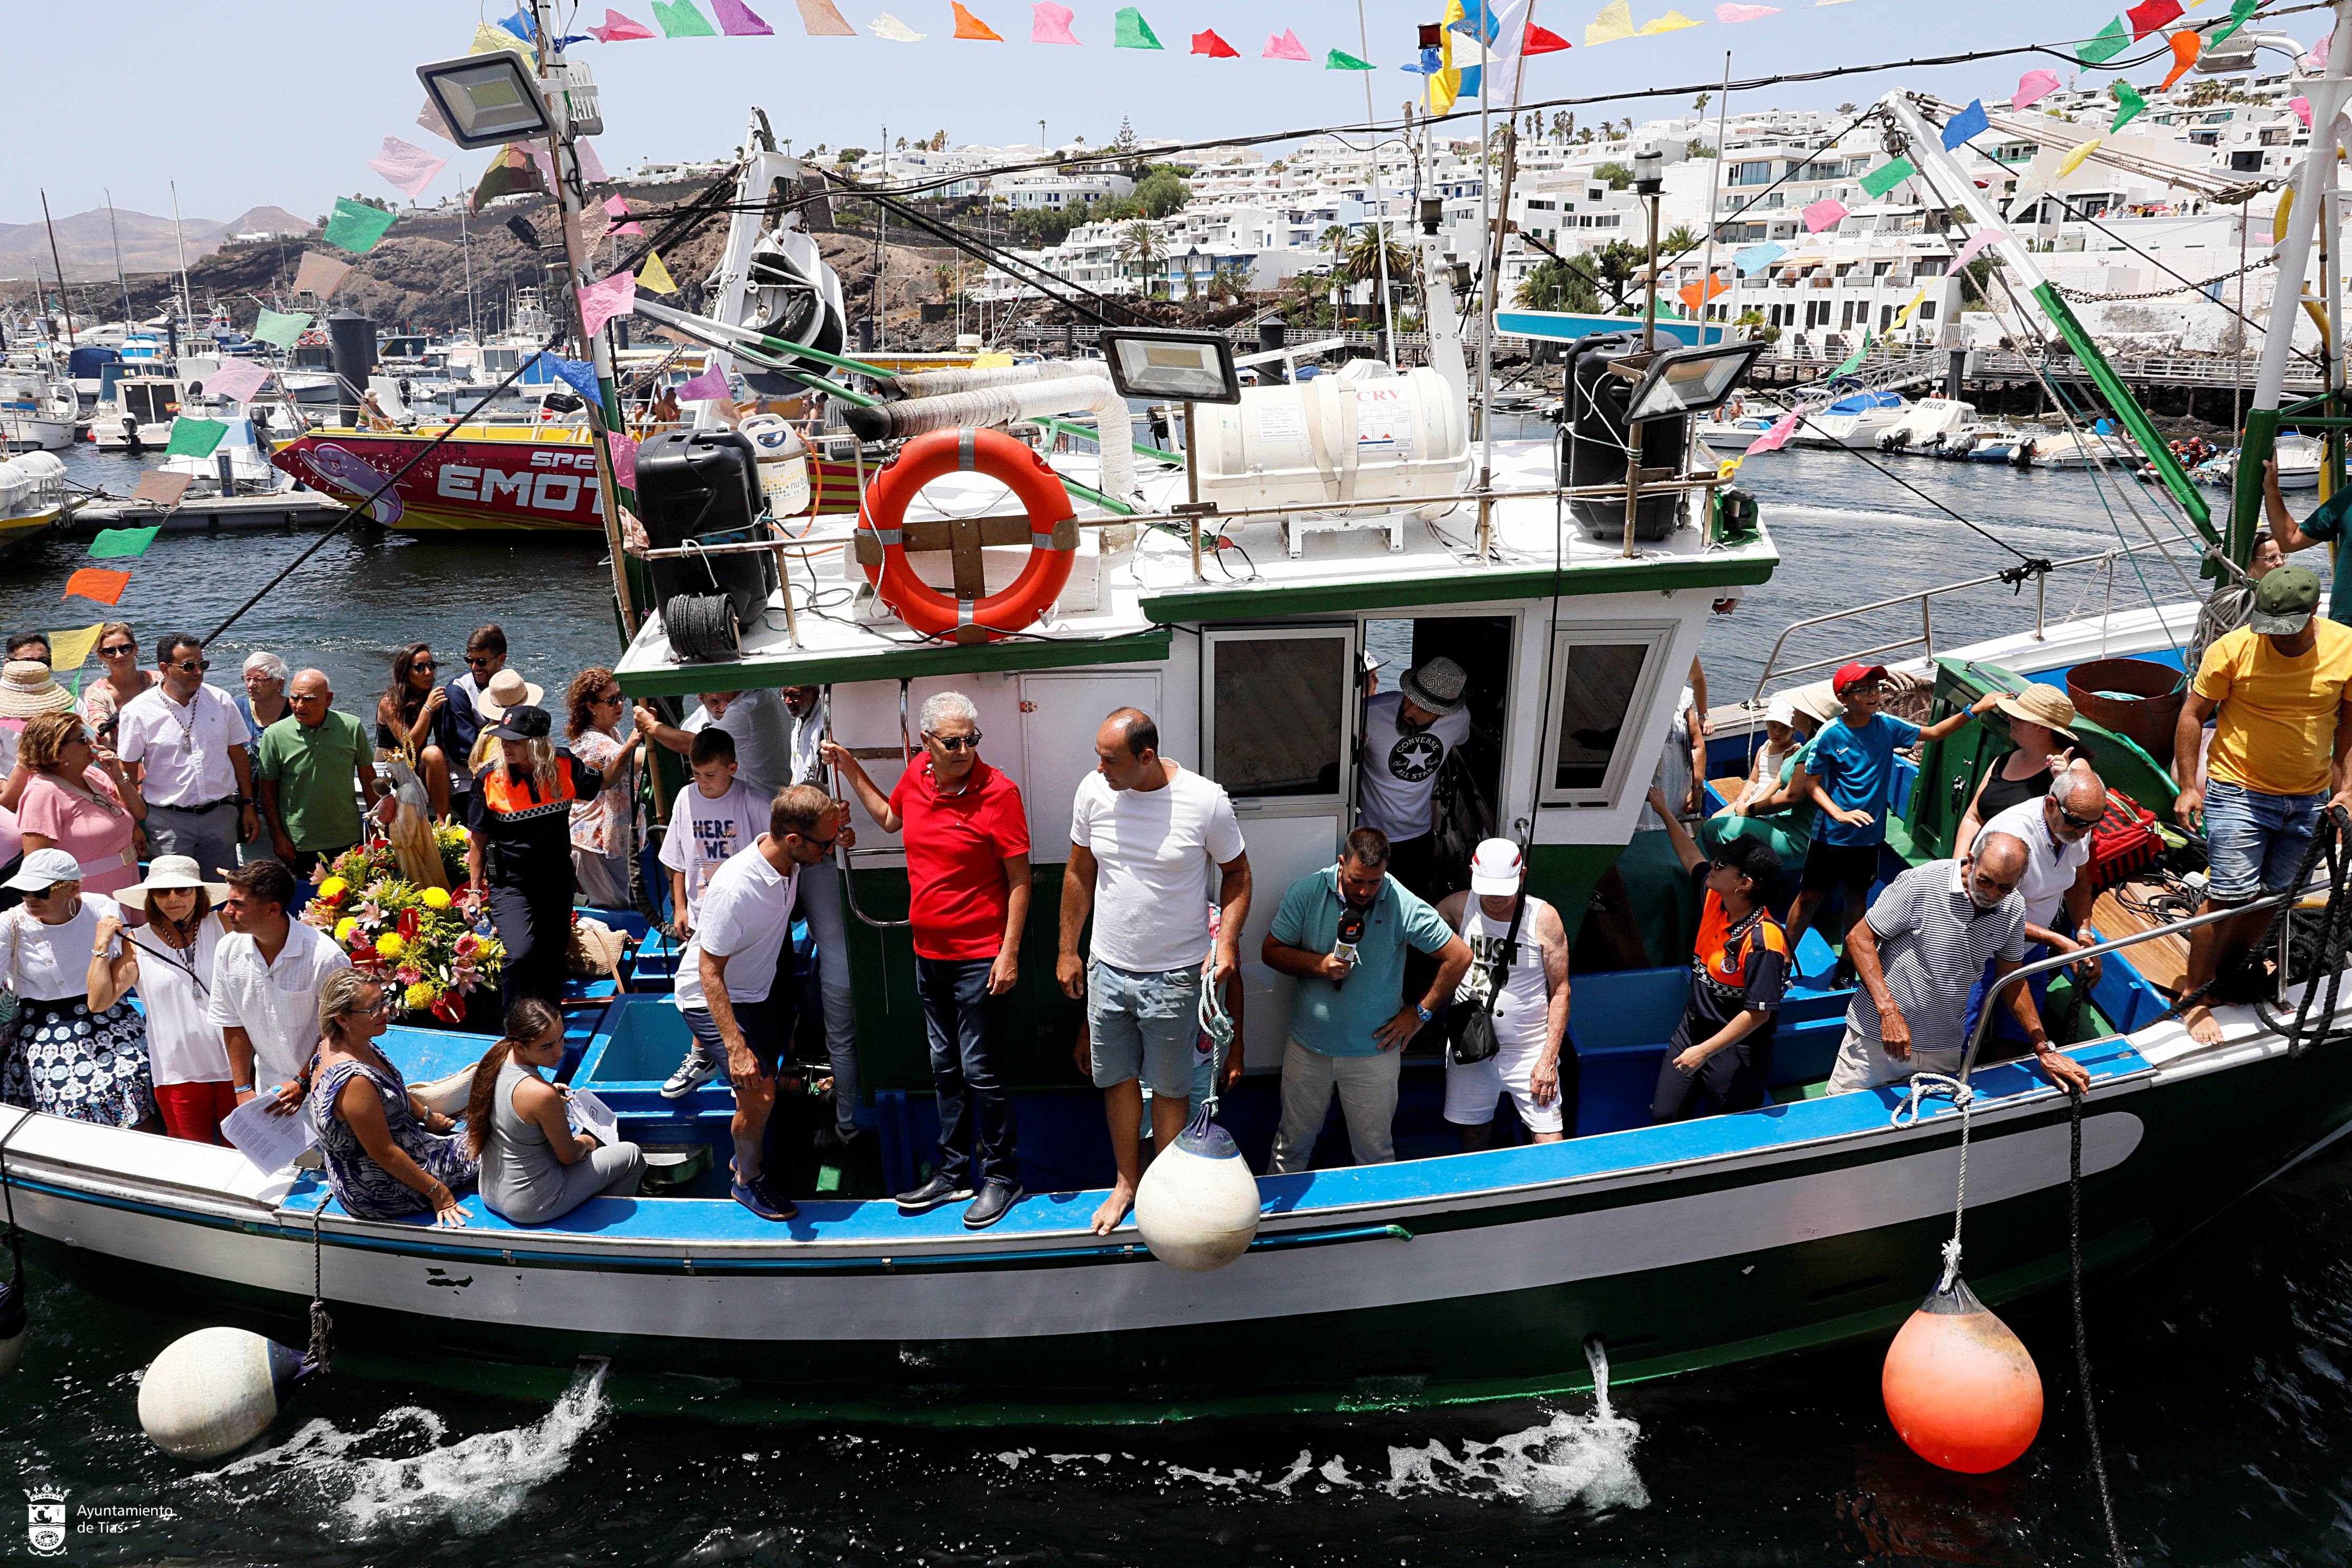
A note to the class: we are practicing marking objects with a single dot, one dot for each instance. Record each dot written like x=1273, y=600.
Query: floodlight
x=1188, y=367
x=1691, y=381
x=486, y=100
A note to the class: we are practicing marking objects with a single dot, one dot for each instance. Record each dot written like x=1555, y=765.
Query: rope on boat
x=320, y=1356
x=1218, y=1025
x=2082, y=1340
x=1908, y=1114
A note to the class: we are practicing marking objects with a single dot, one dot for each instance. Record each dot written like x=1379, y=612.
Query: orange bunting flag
x=971, y=26
x=1214, y=46
x=1690, y=291
x=95, y=582
x=2186, y=45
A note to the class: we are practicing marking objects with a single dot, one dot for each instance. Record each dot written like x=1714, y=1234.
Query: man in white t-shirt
x=2056, y=833
x=709, y=824
x=821, y=906
x=757, y=720
x=266, y=977
x=188, y=741
x=727, y=971
x=1143, y=834
x=1408, y=734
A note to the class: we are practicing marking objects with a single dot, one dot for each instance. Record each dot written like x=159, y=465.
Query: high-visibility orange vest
x=519, y=801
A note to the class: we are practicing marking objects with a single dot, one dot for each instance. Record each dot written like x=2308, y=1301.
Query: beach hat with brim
x=167, y=872
x=2039, y=704
x=506, y=689
x=1817, y=703
x=29, y=689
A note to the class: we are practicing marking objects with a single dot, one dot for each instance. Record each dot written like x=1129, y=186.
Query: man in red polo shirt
x=967, y=845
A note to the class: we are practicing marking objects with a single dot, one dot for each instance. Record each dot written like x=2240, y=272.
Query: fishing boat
x=37, y=413
x=136, y=413
x=1233, y=598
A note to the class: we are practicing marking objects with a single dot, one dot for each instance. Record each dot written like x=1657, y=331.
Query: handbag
x=1470, y=1025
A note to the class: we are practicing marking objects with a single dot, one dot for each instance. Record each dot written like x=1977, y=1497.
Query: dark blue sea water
x=2221, y=1369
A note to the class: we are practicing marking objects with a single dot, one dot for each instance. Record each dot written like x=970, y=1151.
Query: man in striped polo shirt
x=1920, y=952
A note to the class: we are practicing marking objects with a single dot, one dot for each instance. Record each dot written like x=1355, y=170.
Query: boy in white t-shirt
x=720, y=817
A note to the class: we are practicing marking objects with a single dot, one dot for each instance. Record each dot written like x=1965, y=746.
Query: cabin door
x=1059, y=716
x=1278, y=727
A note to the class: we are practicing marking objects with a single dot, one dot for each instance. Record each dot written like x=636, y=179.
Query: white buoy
x=212, y=1392
x=1197, y=1205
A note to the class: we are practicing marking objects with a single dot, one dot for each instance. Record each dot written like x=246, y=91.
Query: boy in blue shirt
x=1849, y=772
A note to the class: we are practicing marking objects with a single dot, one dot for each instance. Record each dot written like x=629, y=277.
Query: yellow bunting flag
x=1672, y=22
x=1616, y=21
x=2074, y=161
x=69, y=651
x=1728, y=466
x=1904, y=319
x=653, y=276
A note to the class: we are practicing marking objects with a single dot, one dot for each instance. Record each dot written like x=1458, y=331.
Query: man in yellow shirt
x=2276, y=690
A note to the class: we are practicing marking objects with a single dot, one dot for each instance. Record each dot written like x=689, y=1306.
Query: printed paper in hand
x=272, y=1143
x=593, y=1117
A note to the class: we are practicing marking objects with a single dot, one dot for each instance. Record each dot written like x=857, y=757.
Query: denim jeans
x=961, y=1020
x=2255, y=842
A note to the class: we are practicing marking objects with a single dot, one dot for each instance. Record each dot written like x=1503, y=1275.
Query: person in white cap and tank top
x=1518, y=964
x=1408, y=734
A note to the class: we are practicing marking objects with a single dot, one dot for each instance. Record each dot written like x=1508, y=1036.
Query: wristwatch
x=1425, y=1014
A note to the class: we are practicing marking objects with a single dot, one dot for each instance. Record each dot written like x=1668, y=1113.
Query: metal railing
x=1924, y=598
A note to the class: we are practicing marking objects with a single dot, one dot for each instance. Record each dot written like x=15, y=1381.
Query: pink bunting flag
x=1050, y=24
x=620, y=209
x=592, y=167
x=408, y=169
x=1977, y=242
x=1745, y=13
x=2316, y=62
x=320, y=274
x=1823, y=213
x=430, y=118
x=711, y=384
x=620, y=29
x=1775, y=439
x=236, y=380
x=600, y=302
x=2033, y=88
x=624, y=459
x=2302, y=107
x=736, y=20
x=595, y=223
x=1284, y=46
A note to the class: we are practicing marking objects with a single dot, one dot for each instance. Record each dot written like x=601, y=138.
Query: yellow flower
x=333, y=887
x=344, y=929
x=390, y=945
x=436, y=898
x=422, y=995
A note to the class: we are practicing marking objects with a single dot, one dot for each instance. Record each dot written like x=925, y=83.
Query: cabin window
x=1280, y=710
x=1602, y=681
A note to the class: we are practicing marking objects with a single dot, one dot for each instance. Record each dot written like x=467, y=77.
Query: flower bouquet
x=421, y=941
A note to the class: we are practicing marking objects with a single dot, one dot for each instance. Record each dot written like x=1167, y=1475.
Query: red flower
x=407, y=924
x=448, y=1009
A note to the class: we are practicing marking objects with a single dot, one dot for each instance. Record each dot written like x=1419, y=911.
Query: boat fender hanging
x=1053, y=544
x=1197, y=1205
x=14, y=1325
x=212, y=1391
x=1960, y=1388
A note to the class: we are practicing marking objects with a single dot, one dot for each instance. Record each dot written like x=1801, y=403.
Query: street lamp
x=486, y=100
x=1192, y=273
x=1649, y=179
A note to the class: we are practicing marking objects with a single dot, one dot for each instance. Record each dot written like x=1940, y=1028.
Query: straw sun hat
x=2039, y=704
x=506, y=689
x=28, y=690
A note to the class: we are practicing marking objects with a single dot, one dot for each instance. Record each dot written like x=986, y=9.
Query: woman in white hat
x=28, y=690
x=77, y=1046
x=503, y=691
x=2038, y=717
x=170, y=960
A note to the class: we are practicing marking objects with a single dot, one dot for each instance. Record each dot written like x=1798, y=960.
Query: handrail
x=847, y=866
x=1921, y=598
x=2060, y=960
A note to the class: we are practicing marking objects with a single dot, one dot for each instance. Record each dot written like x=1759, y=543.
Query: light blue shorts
x=2254, y=843
x=1142, y=1026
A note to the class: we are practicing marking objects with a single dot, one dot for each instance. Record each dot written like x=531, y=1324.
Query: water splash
x=475, y=1483
x=1572, y=1461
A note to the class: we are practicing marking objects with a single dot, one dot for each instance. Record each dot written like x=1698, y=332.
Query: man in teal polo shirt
x=1342, y=933
x=2324, y=526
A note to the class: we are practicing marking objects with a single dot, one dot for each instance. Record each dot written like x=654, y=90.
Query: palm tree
x=1139, y=244
x=1683, y=237
x=1334, y=244
x=1227, y=284
x=1364, y=256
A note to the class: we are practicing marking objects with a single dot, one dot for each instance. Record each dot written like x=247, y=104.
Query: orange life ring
x=1011, y=464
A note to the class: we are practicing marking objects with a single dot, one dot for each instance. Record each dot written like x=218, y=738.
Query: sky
x=284, y=101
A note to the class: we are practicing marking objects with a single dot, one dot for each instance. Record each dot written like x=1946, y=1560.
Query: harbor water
x=2224, y=1370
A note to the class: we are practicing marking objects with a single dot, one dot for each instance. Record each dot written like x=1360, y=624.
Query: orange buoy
x=1961, y=1389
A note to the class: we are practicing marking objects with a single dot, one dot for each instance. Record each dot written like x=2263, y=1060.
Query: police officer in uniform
x=521, y=852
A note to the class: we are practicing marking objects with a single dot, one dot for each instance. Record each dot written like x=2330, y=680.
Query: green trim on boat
x=819, y=665
x=1472, y=585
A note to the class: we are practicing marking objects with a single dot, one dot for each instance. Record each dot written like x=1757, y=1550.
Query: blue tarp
x=1857, y=402
x=87, y=361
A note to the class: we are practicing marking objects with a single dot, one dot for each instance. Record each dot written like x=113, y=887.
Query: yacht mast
x=187, y=305
x=63, y=301
x=116, y=235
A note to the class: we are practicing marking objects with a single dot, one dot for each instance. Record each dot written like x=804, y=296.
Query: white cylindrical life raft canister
x=1197, y=1205
x=212, y=1391
x=783, y=463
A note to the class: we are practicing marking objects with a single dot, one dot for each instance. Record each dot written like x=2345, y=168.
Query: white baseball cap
x=44, y=869
x=1496, y=869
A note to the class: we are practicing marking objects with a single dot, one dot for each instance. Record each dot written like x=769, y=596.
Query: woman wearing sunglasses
x=602, y=824
x=77, y=1046
x=80, y=800
x=387, y=1154
x=118, y=652
x=406, y=715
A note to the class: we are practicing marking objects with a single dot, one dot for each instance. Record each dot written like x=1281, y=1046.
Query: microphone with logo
x=1351, y=933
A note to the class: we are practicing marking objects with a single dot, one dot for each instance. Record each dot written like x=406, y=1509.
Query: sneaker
x=757, y=1198
x=692, y=1073
x=995, y=1201
x=940, y=1189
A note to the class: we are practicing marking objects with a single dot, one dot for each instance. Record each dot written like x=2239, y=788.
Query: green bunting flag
x=281, y=328
x=1886, y=177
x=1341, y=60
x=194, y=438
x=2105, y=44
x=1853, y=362
x=112, y=543
x=680, y=19
x=2239, y=11
x=2128, y=103
x=1133, y=32
x=356, y=227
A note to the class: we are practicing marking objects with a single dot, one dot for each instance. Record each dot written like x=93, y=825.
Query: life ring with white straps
x=1052, y=546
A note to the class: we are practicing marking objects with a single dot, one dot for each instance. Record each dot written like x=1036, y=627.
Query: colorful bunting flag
x=2150, y=15
x=737, y=20
x=1755, y=257
x=1050, y=24
x=95, y=582
x=2033, y=88
x=1615, y=22
x=1823, y=213
x=489, y=41
x=2302, y=107
x=2316, y=62
x=1886, y=177
x=429, y=117
x=356, y=227
x=511, y=170
x=680, y=19
x=618, y=29
x=885, y=25
x=1341, y=60
x=1967, y=125
x=1284, y=46
x=236, y=380
x=1775, y=439
x=2128, y=104
x=70, y=650
x=2186, y=45
x=1853, y=362
x=1214, y=46
x=623, y=449
x=517, y=26
x=1478, y=20
x=2074, y=161
x=1977, y=242
x=710, y=385
x=2104, y=45
x=823, y=19
x=654, y=278
x=1132, y=32
x=968, y=25
x=1672, y=22
x=281, y=328
x=1743, y=12
x=1543, y=41
x=2027, y=193
x=1903, y=319
x=1689, y=293
x=578, y=374
x=2239, y=10
x=602, y=300
x=406, y=168
x=112, y=544
x=194, y=438
x=620, y=209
